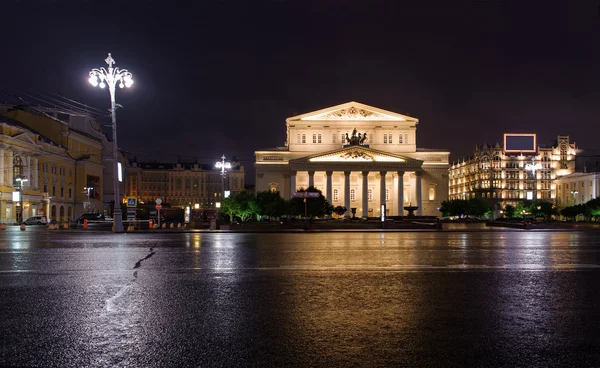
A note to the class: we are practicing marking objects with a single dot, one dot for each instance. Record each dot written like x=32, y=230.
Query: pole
x=305, y=212
x=117, y=217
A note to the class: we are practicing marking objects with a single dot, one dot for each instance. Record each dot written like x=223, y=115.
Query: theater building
x=359, y=156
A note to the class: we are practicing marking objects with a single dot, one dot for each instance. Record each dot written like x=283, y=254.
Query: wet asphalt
x=403, y=299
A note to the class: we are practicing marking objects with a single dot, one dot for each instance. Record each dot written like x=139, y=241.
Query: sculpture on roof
x=356, y=139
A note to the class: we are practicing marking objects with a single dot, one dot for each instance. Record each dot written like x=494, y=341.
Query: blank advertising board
x=520, y=142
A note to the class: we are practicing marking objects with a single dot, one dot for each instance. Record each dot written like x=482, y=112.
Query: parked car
x=36, y=220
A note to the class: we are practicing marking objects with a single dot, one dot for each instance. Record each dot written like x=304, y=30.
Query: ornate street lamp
x=574, y=192
x=21, y=180
x=103, y=77
x=223, y=165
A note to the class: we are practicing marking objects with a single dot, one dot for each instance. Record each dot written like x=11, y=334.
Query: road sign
x=158, y=201
x=131, y=201
x=158, y=206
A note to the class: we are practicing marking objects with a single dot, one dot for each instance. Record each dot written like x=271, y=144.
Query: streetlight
x=87, y=190
x=574, y=192
x=223, y=165
x=101, y=77
x=21, y=180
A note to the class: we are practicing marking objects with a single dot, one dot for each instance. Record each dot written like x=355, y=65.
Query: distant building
x=182, y=184
x=360, y=157
x=509, y=177
x=577, y=188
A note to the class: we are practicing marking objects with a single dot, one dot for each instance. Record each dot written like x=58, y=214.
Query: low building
x=577, y=188
x=508, y=177
x=361, y=157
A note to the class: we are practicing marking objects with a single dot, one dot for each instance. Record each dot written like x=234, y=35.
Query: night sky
x=221, y=77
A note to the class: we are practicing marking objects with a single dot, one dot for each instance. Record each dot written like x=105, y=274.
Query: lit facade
x=182, y=184
x=498, y=176
x=577, y=188
x=360, y=157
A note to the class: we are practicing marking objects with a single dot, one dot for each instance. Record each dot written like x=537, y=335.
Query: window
x=344, y=138
x=62, y=192
x=54, y=191
x=432, y=194
x=53, y=169
x=62, y=171
x=318, y=138
x=70, y=193
x=405, y=138
x=400, y=138
x=314, y=138
x=45, y=188
x=335, y=195
x=370, y=195
x=298, y=140
x=17, y=169
x=385, y=138
x=187, y=183
x=333, y=138
x=303, y=138
x=352, y=195
x=390, y=138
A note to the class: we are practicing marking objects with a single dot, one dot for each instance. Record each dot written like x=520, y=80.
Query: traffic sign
x=131, y=201
x=158, y=206
x=158, y=201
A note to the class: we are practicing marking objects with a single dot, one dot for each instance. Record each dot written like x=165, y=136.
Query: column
x=365, y=194
x=347, y=193
x=328, y=186
x=35, y=183
x=400, y=193
x=311, y=178
x=2, y=165
x=382, y=190
x=28, y=170
x=419, y=196
x=292, y=183
x=9, y=182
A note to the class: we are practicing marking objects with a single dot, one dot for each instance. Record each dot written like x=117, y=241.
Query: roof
x=173, y=166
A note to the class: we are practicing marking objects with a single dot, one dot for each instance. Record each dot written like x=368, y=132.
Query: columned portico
x=328, y=186
x=292, y=182
x=419, y=194
x=347, y=193
x=400, y=196
x=365, y=194
x=382, y=190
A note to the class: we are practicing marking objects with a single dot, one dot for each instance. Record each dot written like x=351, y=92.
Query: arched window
x=370, y=195
x=352, y=195
x=69, y=213
x=178, y=183
x=17, y=169
x=335, y=195
x=53, y=212
x=432, y=194
x=62, y=213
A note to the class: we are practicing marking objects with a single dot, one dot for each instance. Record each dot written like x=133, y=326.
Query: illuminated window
x=352, y=195
x=370, y=195
x=432, y=194
x=390, y=138
x=335, y=195
x=17, y=169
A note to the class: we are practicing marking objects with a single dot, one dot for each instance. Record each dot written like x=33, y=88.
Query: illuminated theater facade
x=360, y=157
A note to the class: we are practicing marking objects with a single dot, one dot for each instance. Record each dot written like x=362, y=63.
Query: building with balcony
x=509, y=178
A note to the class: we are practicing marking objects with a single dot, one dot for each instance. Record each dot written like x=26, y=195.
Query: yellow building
x=60, y=155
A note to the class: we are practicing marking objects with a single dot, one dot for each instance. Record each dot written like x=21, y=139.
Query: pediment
x=24, y=137
x=352, y=111
x=359, y=154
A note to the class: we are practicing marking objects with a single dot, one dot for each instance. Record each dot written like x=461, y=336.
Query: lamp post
x=223, y=165
x=574, y=192
x=101, y=77
x=21, y=180
x=89, y=204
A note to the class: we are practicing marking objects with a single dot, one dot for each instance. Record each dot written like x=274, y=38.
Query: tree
x=340, y=210
x=478, y=207
x=543, y=208
x=242, y=205
x=271, y=204
x=509, y=211
x=455, y=207
x=315, y=207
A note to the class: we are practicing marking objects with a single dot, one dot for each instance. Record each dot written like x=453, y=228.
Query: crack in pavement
x=139, y=263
